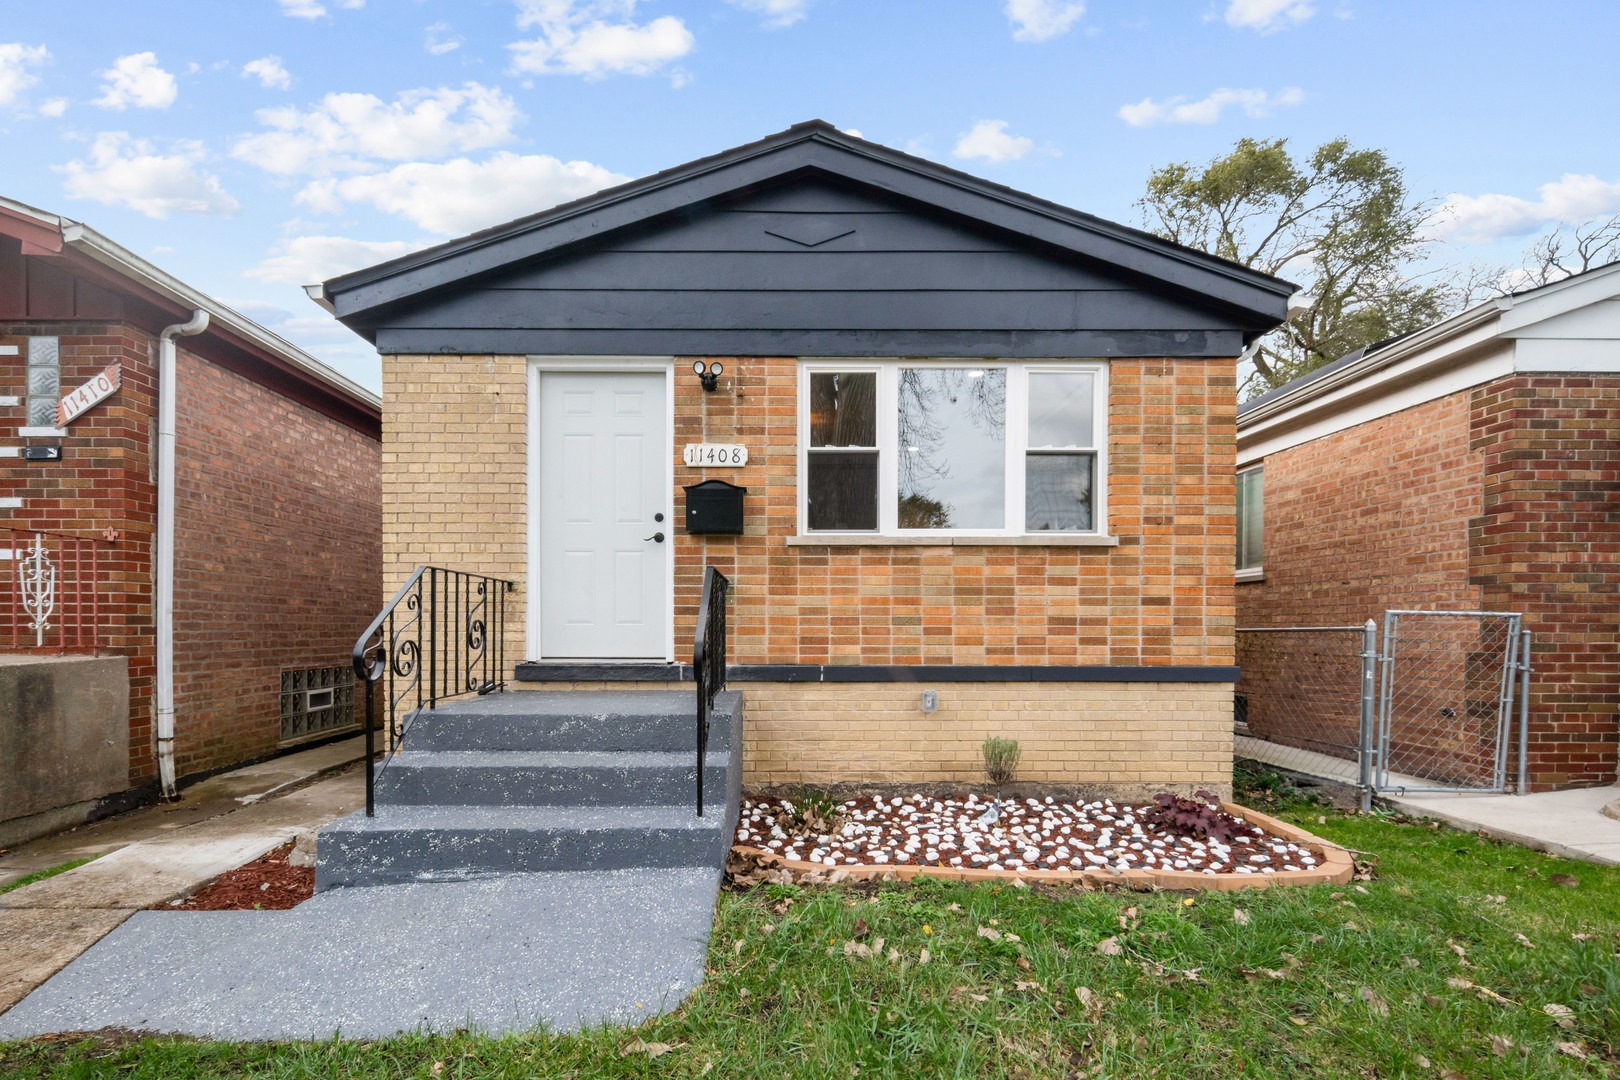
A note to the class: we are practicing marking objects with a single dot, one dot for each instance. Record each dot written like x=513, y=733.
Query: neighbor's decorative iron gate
x=1445, y=709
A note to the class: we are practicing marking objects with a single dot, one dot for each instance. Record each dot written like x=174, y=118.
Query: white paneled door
x=604, y=515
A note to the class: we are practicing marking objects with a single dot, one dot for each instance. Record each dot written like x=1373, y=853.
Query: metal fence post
x=1369, y=690
x=1524, y=713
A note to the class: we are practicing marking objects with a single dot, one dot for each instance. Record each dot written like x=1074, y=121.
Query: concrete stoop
x=540, y=781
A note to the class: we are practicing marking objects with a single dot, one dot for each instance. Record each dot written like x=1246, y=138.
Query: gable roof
x=1250, y=301
x=157, y=298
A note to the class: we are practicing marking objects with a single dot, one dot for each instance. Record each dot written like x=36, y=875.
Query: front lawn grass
x=1331, y=981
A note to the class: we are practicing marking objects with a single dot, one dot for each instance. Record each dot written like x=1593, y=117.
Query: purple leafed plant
x=1200, y=816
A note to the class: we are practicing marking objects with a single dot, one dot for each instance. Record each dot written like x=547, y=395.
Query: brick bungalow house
x=987, y=444
x=1471, y=466
x=276, y=538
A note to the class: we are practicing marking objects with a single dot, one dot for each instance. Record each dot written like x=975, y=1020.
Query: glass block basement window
x=316, y=701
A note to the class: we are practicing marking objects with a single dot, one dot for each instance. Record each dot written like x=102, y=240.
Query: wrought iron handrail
x=443, y=635
x=709, y=660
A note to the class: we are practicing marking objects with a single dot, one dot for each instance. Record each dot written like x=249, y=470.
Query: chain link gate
x=1309, y=700
x=1445, y=706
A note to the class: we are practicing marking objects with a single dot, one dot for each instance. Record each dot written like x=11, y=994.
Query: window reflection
x=952, y=455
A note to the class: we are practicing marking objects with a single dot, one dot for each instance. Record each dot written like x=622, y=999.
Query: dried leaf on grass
x=1500, y=1045
x=1254, y=974
x=1240, y=916
x=1574, y=1050
x=990, y=932
x=1109, y=947
x=961, y=992
x=651, y=1049
x=1526, y=942
x=1089, y=1001
x=1028, y=986
x=1565, y=881
x=1378, y=1005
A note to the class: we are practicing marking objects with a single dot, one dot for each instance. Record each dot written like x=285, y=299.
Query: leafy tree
x=1340, y=222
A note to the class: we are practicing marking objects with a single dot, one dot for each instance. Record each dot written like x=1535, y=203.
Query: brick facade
x=277, y=557
x=1501, y=497
x=1546, y=543
x=454, y=493
x=277, y=539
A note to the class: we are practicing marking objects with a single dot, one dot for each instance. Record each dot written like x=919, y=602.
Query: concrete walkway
x=1566, y=823
x=562, y=949
x=152, y=856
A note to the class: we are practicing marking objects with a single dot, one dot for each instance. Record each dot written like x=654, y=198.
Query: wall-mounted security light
x=708, y=374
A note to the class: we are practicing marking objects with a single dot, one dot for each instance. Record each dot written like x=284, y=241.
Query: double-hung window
x=919, y=448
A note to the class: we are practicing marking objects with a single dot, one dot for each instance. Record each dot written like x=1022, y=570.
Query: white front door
x=604, y=528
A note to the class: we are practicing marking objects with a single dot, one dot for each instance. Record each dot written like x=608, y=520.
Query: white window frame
x=1017, y=446
x=1256, y=572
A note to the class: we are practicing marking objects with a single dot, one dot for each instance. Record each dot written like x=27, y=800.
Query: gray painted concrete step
x=452, y=843
x=570, y=720
x=561, y=950
x=547, y=778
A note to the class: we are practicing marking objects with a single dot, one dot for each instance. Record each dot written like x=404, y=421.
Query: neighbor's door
x=604, y=524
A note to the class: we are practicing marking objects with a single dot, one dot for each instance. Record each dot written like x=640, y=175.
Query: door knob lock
x=657, y=538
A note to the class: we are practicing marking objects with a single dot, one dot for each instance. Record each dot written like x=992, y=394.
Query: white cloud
x=15, y=60
x=124, y=171
x=302, y=9
x=269, y=72
x=347, y=132
x=1267, y=15
x=440, y=40
x=137, y=80
x=304, y=260
x=461, y=196
x=777, y=12
x=1038, y=20
x=577, y=38
x=55, y=106
x=989, y=140
x=1178, y=110
x=854, y=133
x=1572, y=197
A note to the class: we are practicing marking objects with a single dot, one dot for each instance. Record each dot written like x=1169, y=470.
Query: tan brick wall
x=454, y=456
x=1117, y=739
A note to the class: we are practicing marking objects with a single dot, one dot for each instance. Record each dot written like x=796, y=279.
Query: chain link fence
x=1302, y=702
x=1431, y=711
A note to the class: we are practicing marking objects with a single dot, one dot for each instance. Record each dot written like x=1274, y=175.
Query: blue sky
x=251, y=147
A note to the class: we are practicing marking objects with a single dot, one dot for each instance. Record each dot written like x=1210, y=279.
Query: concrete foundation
x=64, y=739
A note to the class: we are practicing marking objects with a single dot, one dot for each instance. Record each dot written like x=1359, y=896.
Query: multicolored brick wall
x=1547, y=543
x=1162, y=597
x=277, y=548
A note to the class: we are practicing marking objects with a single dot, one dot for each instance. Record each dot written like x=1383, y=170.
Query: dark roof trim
x=813, y=147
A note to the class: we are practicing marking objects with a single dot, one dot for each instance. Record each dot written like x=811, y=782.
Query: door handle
x=655, y=537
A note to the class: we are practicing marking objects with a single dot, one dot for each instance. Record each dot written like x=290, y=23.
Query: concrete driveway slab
x=40, y=942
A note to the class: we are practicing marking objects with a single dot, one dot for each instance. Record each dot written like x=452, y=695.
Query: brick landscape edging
x=1336, y=866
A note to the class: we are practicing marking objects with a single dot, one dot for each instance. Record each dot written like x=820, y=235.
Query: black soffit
x=815, y=151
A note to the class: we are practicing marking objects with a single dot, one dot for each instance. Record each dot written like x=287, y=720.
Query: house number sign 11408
x=718, y=455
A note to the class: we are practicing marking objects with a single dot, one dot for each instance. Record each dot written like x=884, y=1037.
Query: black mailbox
x=715, y=506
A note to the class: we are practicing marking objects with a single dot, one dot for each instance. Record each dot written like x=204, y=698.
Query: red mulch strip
x=267, y=883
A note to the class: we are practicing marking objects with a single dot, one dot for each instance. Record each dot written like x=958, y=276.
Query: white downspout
x=163, y=555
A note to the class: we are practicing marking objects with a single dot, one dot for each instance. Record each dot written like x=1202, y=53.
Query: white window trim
x=888, y=531
x=1250, y=573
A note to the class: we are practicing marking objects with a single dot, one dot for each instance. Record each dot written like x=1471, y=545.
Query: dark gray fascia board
x=814, y=148
x=1009, y=344
x=555, y=671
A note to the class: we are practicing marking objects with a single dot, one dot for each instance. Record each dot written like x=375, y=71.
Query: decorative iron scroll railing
x=709, y=661
x=55, y=582
x=442, y=636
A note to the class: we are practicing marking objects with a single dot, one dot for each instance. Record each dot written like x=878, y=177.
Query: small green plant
x=1000, y=761
x=812, y=812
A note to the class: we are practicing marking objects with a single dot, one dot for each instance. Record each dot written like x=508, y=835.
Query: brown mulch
x=267, y=883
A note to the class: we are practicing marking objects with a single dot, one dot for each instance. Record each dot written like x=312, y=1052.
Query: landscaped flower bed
x=1030, y=838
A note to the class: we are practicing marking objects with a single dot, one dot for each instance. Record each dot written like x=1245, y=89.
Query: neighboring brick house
x=1471, y=466
x=989, y=452
x=277, y=518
